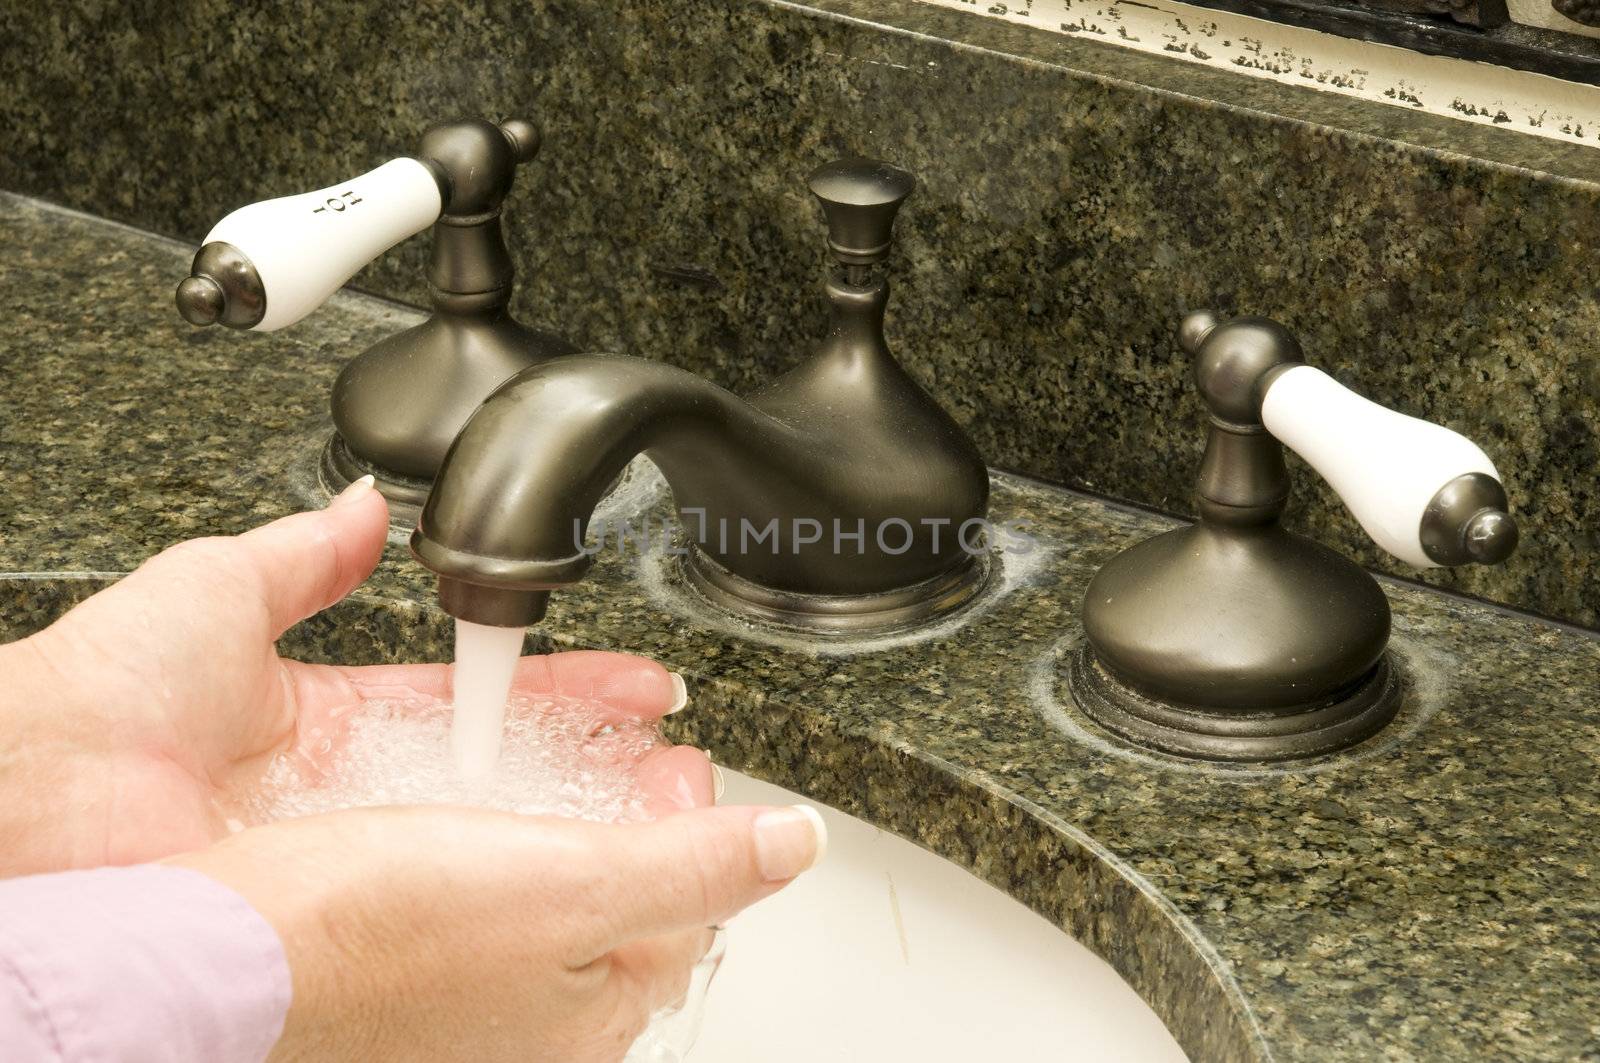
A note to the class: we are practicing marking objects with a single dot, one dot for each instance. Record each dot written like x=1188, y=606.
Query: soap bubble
x=561, y=757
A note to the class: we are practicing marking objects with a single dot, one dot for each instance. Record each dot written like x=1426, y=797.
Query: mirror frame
x=1463, y=29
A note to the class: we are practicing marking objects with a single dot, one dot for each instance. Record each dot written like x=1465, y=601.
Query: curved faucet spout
x=842, y=478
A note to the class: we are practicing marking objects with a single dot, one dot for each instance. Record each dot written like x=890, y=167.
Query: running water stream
x=486, y=664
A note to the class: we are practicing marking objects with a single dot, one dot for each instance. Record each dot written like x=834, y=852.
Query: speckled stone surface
x=1076, y=199
x=1429, y=895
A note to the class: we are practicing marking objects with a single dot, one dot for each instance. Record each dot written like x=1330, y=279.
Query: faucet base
x=844, y=614
x=405, y=494
x=1248, y=736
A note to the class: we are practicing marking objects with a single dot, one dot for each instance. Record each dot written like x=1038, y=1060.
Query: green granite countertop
x=1429, y=895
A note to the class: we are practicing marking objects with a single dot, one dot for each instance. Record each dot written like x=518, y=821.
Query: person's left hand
x=132, y=714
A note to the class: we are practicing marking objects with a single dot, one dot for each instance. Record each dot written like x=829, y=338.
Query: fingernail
x=680, y=696
x=355, y=490
x=719, y=785
x=789, y=841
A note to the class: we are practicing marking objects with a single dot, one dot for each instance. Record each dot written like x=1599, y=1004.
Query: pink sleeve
x=148, y=964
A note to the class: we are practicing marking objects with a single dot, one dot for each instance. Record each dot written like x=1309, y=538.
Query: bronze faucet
x=845, y=443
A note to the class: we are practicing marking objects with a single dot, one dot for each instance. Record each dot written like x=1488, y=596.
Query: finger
x=397, y=681
x=698, y=869
x=307, y=562
x=659, y=969
x=633, y=686
x=675, y=779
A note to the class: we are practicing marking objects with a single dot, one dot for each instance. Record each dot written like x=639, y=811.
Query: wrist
x=315, y=906
x=46, y=766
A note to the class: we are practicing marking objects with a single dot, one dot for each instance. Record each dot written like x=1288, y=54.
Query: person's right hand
x=449, y=933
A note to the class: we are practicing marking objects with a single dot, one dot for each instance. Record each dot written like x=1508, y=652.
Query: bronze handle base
x=899, y=609
x=1257, y=737
x=405, y=494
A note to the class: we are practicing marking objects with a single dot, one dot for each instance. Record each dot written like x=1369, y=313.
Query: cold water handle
x=1426, y=494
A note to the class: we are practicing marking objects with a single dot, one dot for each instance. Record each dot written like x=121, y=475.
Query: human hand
x=129, y=717
x=452, y=933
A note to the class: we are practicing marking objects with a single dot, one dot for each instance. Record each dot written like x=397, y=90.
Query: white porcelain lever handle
x=1387, y=467
x=302, y=248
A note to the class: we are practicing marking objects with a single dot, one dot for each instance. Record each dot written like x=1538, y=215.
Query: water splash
x=560, y=757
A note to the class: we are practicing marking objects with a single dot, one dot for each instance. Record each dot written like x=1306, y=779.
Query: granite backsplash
x=1075, y=200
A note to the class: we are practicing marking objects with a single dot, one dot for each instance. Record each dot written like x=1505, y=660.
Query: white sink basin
x=886, y=953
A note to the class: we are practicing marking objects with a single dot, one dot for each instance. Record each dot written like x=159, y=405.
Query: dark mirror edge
x=1562, y=55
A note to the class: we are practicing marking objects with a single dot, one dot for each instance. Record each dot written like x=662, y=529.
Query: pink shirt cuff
x=148, y=964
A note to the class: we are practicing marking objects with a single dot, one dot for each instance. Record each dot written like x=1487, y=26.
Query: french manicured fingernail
x=680, y=696
x=356, y=489
x=789, y=841
x=719, y=785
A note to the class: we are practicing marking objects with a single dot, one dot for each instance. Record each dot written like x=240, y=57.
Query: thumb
x=700, y=868
x=308, y=561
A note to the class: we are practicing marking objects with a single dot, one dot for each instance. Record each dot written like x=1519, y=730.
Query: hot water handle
x=269, y=264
